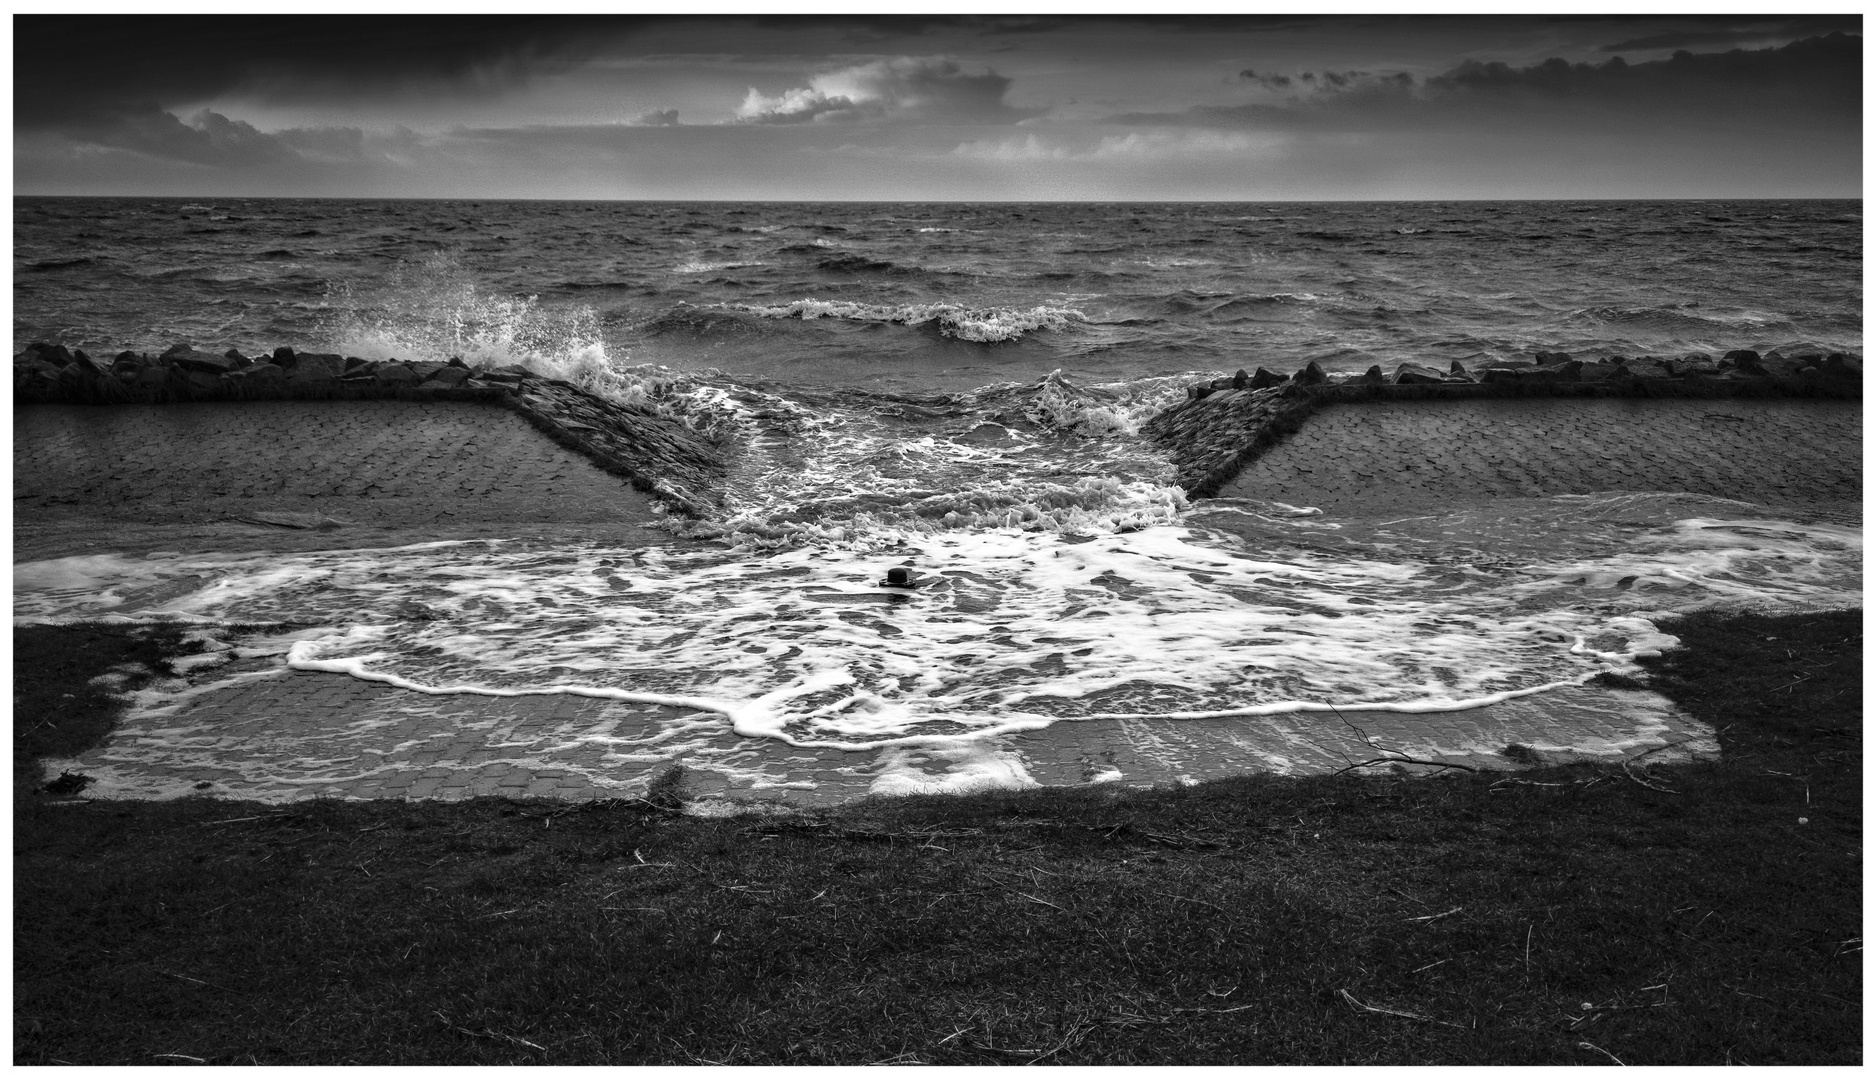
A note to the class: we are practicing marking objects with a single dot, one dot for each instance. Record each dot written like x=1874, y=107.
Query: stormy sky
x=931, y=108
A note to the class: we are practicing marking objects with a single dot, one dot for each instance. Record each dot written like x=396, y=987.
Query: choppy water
x=959, y=388
x=933, y=297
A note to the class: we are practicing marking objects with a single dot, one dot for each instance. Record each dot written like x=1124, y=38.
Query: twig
x=1644, y=783
x=1395, y=757
x=1041, y=901
x=232, y=820
x=1402, y=759
x=1604, y=1053
x=185, y=1057
x=488, y=1033
x=1076, y=1032
x=1350, y=998
x=1201, y=903
x=198, y=982
x=1441, y=915
x=1434, y=964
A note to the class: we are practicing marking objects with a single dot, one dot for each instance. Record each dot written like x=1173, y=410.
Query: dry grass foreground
x=1706, y=913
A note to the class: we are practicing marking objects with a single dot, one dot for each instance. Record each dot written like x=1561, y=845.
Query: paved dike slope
x=1414, y=455
x=195, y=452
x=366, y=462
x=1775, y=430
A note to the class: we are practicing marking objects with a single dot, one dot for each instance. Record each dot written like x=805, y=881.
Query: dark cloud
x=73, y=68
x=1200, y=24
x=1269, y=82
x=1805, y=78
x=1815, y=83
x=1331, y=82
x=1742, y=32
x=210, y=139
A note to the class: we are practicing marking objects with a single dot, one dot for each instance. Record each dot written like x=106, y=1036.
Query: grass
x=1580, y=915
x=58, y=711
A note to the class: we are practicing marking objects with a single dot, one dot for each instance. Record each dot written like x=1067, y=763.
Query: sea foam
x=1010, y=630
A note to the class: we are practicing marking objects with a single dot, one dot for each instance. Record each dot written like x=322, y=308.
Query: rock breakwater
x=1227, y=423
x=658, y=455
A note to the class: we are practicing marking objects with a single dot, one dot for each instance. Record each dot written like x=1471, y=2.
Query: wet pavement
x=280, y=736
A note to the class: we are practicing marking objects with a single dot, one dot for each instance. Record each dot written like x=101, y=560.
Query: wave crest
x=989, y=324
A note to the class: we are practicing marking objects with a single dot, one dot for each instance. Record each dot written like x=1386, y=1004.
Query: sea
x=958, y=389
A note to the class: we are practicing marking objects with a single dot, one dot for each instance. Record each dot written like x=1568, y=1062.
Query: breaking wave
x=432, y=310
x=989, y=324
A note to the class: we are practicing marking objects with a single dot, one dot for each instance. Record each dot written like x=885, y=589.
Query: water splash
x=432, y=310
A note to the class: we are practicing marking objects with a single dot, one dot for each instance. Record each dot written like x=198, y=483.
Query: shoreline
x=365, y=463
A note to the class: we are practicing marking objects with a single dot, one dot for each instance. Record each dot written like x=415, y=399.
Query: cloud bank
x=836, y=107
x=903, y=89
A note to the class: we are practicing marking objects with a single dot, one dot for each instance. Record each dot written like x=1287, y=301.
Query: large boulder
x=1566, y=371
x=395, y=375
x=1549, y=359
x=1844, y=364
x=1411, y=373
x=1645, y=367
x=316, y=367
x=268, y=372
x=190, y=359
x=56, y=355
x=1774, y=365
x=448, y=376
x=1311, y=375
x=1697, y=364
x=75, y=374
x=1374, y=376
x=285, y=357
x=1265, y=378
